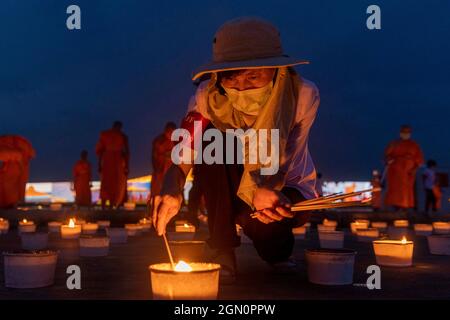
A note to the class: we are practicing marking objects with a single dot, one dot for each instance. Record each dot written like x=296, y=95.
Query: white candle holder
x=321, y=228
x=380, y=225
x=441, y=227
x=146, y=224
x=358, y=225
x=133, y=229
x=439, y=244
x=70, y=231
x=401, y=223
x=91, y=246
x=393, y=253
x=422, y=229
x=365, y=221
x=117, y=235
x=30, y=269
x=54, y=226
x=299, y=232
x=330, y=266
x=129, y=206
x=329, y=223
x=4, y=226
x=331, y=239
x=34, y=240
x=202, y=283
x=26, y=226
x=367, y=235
x=89, y=228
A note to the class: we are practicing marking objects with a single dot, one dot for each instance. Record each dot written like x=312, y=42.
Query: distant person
x=402, y=156
x=113, y=159
x=430, y=184
x=10, y=176
x=28, y=153
x=376, y=194
x=82, y=181
x=161, y=157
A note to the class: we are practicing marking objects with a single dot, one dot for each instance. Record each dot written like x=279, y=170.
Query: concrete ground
x=124, y=274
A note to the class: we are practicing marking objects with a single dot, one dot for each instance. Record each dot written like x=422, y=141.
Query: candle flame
x=186, y=225
x=24, y=221
x=72, y=223
x=183, y=267
x=404, y=240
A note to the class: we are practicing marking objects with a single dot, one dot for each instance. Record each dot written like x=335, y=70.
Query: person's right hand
x=165, y=207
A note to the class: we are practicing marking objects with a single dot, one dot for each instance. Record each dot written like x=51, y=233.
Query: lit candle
x=180, y=222
x=188, y=281
x=363, y=221
x=380, y=225
x=54, y=226
x=330, y=223
x=26, y=226
x=187, y=227
x=299, y=232
x=89, y=228
x=91, y=246
x=367, y=235
x=395, y=253
x=401, y=223
x=423, y=229
x=133, y=229
x=71, y=230
x=4, y=226
x=146, y=224
x=358, y=225
x=322, y=227
x=441, y=227
x=129, y=206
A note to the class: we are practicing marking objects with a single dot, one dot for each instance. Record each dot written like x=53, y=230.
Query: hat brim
x=271, y=62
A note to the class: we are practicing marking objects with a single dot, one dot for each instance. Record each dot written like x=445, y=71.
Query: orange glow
x=72, y=223
x=404, y=240
x=183, y=267
x=24, y=221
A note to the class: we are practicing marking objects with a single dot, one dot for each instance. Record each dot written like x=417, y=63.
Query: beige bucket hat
x=245, y=43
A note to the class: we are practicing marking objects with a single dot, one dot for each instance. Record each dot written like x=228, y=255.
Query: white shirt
x=298, y=164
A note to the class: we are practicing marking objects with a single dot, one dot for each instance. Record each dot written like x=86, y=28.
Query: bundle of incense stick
x=330, y=202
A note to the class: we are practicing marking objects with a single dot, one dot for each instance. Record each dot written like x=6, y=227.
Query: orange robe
x=28, y=153
x=403, y=158
x=112, y=149
x=10, y=176
x=161, y=159
x=82, y=183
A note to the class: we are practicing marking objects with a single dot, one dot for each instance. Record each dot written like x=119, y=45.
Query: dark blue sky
x=132, y=61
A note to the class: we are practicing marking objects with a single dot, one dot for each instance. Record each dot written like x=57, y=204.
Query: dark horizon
x=133, y=62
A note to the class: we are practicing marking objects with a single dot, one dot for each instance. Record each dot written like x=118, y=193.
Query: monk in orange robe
x=10, y=176
x=24, y=146
x=113, y=155
x=403, y=157
x=82, y=181
x=161, y=157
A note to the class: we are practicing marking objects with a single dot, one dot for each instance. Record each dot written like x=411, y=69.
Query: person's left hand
x=271, y=205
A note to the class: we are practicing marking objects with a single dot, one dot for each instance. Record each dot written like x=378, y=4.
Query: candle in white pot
x=89, y=228
x=423, y=229
x=26, y=226
x=441, y=227
x=91, y=246
x=71, y=230
x=395, y=253
x=358, y=225
x=401, y=223
x=103, y=224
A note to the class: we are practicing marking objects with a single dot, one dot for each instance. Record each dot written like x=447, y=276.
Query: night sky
x=132, y=61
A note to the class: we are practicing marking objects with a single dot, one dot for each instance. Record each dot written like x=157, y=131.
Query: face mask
x=249, y=101
x=405, y=135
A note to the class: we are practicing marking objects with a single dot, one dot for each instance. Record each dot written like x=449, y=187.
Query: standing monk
x=113, y=158
x=403, y=156
x=10, y=176
x=26, y=149
x=161, y=161
x=82, y=181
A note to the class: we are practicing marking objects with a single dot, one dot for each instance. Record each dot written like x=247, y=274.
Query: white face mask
x=249, y=101
x=405, y=135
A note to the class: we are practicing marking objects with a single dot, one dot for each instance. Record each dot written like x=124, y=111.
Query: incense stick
x=168, y=251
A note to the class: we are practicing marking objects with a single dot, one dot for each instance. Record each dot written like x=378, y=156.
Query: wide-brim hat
x=246, y=43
